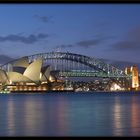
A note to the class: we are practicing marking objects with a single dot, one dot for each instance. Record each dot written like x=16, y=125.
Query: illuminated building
x=135, y=77
x=128, y=70
x=24, y=76
x=133, y=72
x=3, y=77
x=115, y=87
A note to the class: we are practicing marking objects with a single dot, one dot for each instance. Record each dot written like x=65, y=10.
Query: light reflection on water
x=70, y=115
x=135, y=117
x=117, y=117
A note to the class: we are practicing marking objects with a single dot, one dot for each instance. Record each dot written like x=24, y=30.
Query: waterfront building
x=135, y=77
x=25, y=76
x=134, y=81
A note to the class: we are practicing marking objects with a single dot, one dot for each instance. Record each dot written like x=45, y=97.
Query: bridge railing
x=88, y=74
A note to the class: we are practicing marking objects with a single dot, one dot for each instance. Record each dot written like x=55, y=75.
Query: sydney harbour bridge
x=69, y=65
x=75, y=65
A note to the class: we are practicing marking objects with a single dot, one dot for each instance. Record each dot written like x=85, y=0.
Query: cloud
x=89, y=43
x=4, y=59
x=44, y=19
x=134, y=34
x=131, y=41
x=83, y=43
x=24, y=39
x=126, y=46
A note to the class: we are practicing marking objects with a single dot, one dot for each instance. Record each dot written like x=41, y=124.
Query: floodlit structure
x=48, y=71
x=135, y=77
x=128, y=70
x=133, y=72
x=25, y=76
x=3, y=77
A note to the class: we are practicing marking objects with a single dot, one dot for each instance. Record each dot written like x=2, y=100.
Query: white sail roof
x=18, y=77
x=22, y=62
x=33, y=70
x=3, y=77
x=46, y=73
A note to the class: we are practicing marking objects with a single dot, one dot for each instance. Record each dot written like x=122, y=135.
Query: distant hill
x=4, y=59
x=120, y=64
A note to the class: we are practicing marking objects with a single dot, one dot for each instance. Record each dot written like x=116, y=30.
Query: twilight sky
x=106, y=31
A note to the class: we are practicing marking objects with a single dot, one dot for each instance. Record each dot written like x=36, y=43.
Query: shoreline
x=72, y=91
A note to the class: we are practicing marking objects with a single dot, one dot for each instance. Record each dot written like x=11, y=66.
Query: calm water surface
x=60, y=114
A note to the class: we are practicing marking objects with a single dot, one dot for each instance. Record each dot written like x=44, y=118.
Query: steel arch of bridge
x=89, y=61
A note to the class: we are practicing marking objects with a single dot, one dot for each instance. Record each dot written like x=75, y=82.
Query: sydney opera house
x=25, y=76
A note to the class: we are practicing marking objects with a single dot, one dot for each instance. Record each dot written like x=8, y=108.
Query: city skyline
x=106, y=31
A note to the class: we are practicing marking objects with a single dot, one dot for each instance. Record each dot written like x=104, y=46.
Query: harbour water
x=70, y=114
